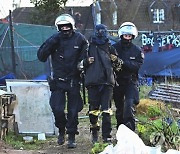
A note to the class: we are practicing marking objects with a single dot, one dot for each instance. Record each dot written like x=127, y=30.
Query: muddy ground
x=84, y=144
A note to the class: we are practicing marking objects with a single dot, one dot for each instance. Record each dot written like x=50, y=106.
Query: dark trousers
x=70, y=94
x=100, y=99
x=126, y=96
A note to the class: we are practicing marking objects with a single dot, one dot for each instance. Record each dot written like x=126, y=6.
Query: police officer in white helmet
x=126, y=94
x=66, y=48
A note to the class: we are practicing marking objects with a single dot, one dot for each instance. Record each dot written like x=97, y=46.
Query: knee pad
x=93, y=116
x=95, y=112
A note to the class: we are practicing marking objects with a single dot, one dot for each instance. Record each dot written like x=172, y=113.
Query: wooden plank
x=6, y=120
x=164, y=93
x=168, y=89
x=165, y=96
x=163, y=99
x=8, y=123
x=4, y=128
x=169, y=85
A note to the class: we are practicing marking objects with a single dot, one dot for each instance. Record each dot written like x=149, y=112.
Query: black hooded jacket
x=100, y=71
x=65, y=54
x=132, y=57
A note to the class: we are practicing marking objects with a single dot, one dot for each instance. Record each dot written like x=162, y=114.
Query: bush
x=158, y=126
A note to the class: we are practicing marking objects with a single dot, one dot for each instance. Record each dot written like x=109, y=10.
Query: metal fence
x=28, y=38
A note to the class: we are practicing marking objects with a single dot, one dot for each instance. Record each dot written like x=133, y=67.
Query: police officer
x=126, y=94
x=66, y=49
x=99, y=80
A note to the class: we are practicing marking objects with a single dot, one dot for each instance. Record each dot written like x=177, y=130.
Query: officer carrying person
x=99, y=80
x=66, y=48
x=126, y=93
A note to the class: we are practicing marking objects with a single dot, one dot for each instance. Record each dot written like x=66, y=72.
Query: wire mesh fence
x=28, y=38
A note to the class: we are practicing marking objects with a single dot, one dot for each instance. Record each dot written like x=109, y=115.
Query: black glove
x=90, y=60
x=113, y=57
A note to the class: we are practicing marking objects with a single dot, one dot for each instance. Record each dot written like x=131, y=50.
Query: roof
x=136, y=11
x=23, y=15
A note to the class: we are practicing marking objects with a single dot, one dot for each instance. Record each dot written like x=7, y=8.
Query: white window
x=98, y=18
x=115, y=18
x=158, y=15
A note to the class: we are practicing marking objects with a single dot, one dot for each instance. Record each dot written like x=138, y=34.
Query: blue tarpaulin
x=41, y=77
x=8, y=76
x=165, y=63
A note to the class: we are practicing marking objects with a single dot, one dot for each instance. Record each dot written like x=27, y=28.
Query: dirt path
x=83, y=140
x=83, y=147
x=84, y=144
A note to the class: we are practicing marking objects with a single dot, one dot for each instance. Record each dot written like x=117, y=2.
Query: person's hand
x=117, y=65
x=113, y=57
x=90, y=60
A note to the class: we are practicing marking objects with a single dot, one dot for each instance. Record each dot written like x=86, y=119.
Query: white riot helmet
x=128, y=28
x=64, y=19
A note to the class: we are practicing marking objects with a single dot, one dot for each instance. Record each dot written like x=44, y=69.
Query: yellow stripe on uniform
x=110, y=111
x=95, y=112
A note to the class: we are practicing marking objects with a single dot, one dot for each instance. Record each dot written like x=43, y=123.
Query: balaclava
x=100, y=36
x=66, y=33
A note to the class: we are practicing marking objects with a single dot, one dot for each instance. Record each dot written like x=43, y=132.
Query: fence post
x=12, y=43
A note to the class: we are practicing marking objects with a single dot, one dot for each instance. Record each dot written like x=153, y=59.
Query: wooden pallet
x=7, y=124
x=167, y=93
x=7, y=118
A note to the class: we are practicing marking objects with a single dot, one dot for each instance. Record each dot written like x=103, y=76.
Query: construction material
x=7, y=118
x=167, y=93
x=33, y=112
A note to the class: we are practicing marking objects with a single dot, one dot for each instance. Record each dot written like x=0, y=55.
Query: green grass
x=144, y=130
x=98, y=147
x=144, y=90
x=17, y=142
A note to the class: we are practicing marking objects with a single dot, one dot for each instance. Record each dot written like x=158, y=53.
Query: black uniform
x=99, y=80
x=126, y=93
x=65, y=54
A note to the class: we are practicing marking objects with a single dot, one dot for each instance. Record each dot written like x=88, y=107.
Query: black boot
x=107, y=139
x=61, y=138
x=94, y=136
x=71, y=141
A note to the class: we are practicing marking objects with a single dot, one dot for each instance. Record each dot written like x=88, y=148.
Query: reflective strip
x=61, y=79
x=110, y=111
x=95, y=112
x=95, y=125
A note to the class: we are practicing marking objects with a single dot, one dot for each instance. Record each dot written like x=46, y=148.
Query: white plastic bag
x=129, y=142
